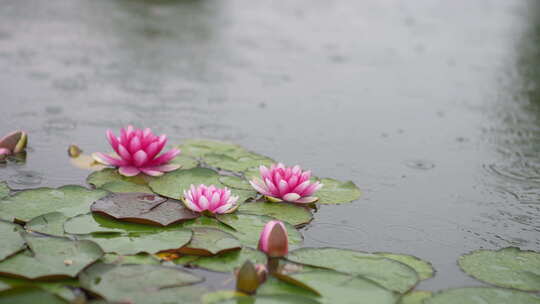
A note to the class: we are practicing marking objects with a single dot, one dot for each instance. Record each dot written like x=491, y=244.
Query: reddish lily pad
x=143, y=208
x=210, y=241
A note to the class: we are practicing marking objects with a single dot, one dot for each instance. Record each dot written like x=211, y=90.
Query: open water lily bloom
x=290, y=184
x=138, y=151
x=210, y=199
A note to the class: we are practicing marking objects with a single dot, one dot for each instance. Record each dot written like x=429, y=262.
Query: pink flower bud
x=274, y=240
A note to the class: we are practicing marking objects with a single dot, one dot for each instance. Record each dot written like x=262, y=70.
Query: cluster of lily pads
x=148, y=238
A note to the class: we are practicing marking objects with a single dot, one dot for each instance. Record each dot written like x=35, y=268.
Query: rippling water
x=432, y=108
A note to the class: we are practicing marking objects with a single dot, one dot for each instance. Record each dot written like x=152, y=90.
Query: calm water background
x=431, y=107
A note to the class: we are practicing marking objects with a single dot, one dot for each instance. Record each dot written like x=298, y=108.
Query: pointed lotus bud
x=4, y=153
x=21, y=144
x=15, y=142
x=262, y=272
x=247, y=280
x=274, y=240
x=74, y=151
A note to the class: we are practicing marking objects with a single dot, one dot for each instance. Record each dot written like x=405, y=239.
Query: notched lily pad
x=70, y=200
x=51, y=258
x=108, y=175
x=291, y=213
x=423, y=268
x=238, y=164
x=143, y=208
x=174, y=183
x=226, y=262
x=210, y=241
x=473, y=295
x=507, y=267
x=49, y=223
x=336, y=192
x=12, y=240
x=124, y=187
x=388, y=273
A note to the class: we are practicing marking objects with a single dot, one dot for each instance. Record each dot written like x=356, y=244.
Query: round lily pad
x=388, y=273
x=12, y=240
x=49, y=223
x=69, y=200
x=4, y=189
x=333, y=286
x=415, y=297
x=201, y=147
x=137, y=283
x=185, y=162
x=423, y=268
x=248, y=228
x=29, y=295
x=229, y=261
x=508, y=267
x=143, y=208
x=293, y=214
x=235, y=182
x=210, y=241
x=142, y=258
x=236, y=164
x=123, y=187
x=60, y=288
x=108, y=175
x=474, y=295
x=142, y=242
x=336, y=192
x=51, y=257
x=174, y=183
x=95, y=223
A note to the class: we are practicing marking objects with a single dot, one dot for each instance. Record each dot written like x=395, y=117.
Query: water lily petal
x=165, y=157
x=140, y=158
x=306, y=200
x=107, y=159
x=167, y=167
x=124, y=153
x=291, y=197
x=151, y=172
x=203, y=202
x=113, y=140
x=135, y=144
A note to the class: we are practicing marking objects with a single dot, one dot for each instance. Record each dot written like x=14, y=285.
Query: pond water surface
x=431, y=107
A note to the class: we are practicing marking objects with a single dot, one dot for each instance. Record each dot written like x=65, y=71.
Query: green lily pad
x=248, y=228
x=49, y=223
x=137, y=283
x=221, y=295
x=201, y=147
x=475, y=295
x=123, y=187
x=142, y=258
x=424, y=269
x=174, y=183
x=185, y=162
x=50, y=257
x=508, y=267
x=388, y=273
x=293, y=214
x=236, y=164
x=143, y=208
x=141, y=242
x=243, y=195
x=235, y=182
x=272, y=299
x=336, y=192
x=415, y=297
x=95, y=223
x=69, y=200
x=333, y=286
x=59, y=288
x=210, y=241
x=12, y=240
x=4, y=189
x=229, y=261
x=29, y=295
x=108, y=175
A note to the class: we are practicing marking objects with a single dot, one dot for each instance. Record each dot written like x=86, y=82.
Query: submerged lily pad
x=143, y=208
x=424, y=269
x=69, y=200
x=4, y=189
x=50, y=257
x=210, y=241
x=474, y=295
x=60, y=288
x=229, y=261
x=333, y=286
x=174, y=183
x=508, y=267
x=139, y=283
x=12, y=240
x=29, y=295
x=336, y=192
x=142, y=242
x=248, y=228
x=293, y=214
x=388, y=273
x=49, y=223
x=415, y=297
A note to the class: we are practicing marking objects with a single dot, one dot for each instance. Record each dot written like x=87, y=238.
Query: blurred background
x=431, y=107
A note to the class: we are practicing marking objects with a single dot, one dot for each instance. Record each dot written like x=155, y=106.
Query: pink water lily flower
x=210, y=199
x=139, y=152
x=274, y=240
x=280, y=183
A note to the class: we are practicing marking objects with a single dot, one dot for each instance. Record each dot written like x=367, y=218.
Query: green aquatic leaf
x=476, y=295
x=51, y=257
x=219, y=296
x=229, y=261
x=388, y=273
x=291, y=213
x=141, y=258
x=271, y=299
x=185, y=162
x=336, y=192
x=140, y=283
x=415, y=297
x=61, y=288
x=109, y=175
x=95, y=223
x=12, y=241
x=507, y=267
x=334, y=287
x=28, y=204
x=423, y=268
x=4, y=189
x=210, y=241
x=123, y=187
x=236, y=164
x=174, y=183
x=49, y=223
x=235, y=182
x=29, y=295
x=200, y=147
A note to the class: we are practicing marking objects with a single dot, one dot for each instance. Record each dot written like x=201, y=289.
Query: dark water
x=431, y=107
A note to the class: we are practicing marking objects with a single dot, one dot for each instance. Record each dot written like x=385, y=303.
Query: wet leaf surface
x=293, y=214
x=210, y=241
x=415, y=297
x=123, y=187
x=423, y=268
x=12, y=241
x=143, y=208
x=29, y=295
x=4, y=189
x=174, y=183
x=235, y=182
x=272, y=299
x=49, y=223
x=336, y=192
x=227, y=262
x=474, y=295
x=507, y=267
x=237, y=164
x=60, y=288
x=143, y=258
x=386, y=272
x=50, y=257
